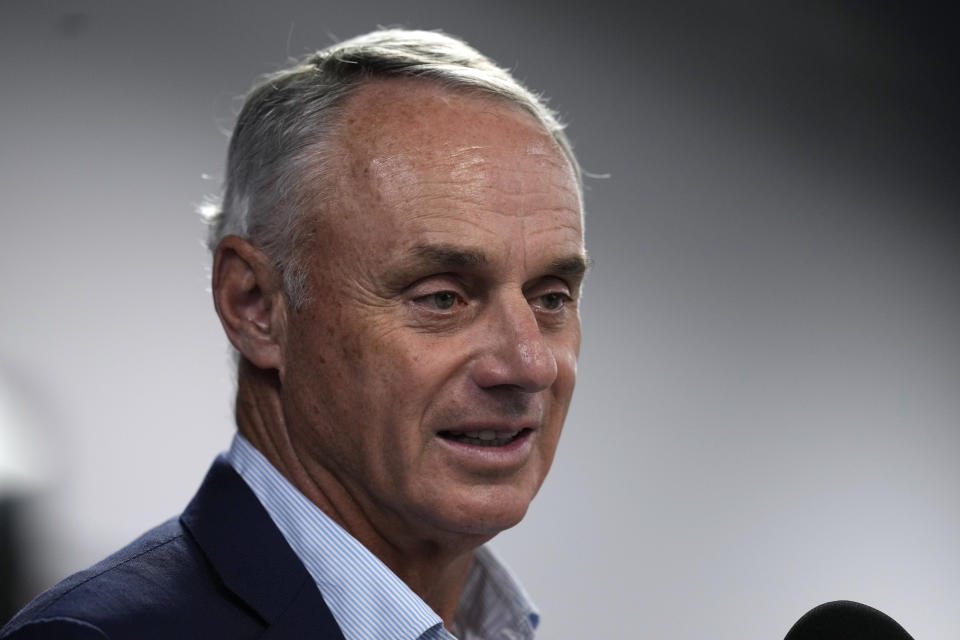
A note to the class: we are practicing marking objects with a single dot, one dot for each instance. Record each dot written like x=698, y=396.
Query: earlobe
x=248, y=298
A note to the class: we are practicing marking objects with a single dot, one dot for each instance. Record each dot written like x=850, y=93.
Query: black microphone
x=846, y=620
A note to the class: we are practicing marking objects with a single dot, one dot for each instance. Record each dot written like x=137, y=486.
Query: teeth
x=488, y=437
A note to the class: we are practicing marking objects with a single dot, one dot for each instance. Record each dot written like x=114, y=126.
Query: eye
x=553, y=301
x=442, y=300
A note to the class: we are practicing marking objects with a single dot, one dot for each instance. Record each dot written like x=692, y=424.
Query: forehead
x=384, y=116
x=434, y=156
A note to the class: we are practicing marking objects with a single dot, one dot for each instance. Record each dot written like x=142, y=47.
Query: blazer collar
x=253, y=559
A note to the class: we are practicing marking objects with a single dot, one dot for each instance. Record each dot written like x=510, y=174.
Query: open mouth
x=485, y=438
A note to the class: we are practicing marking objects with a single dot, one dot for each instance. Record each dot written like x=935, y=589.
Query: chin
x=486, y=512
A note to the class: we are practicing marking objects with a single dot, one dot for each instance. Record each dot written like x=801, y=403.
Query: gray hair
x=280, y=141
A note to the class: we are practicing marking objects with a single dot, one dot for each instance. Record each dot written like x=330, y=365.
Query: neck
x=435, y=569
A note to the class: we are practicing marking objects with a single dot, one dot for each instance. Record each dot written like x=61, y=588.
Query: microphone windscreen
x=846, y=620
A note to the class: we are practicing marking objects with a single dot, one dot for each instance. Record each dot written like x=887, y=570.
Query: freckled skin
x=373, y=369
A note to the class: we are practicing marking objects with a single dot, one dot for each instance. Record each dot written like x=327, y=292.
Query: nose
x=515, y=353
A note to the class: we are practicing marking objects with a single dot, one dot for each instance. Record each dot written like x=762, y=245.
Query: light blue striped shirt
x=365, y=597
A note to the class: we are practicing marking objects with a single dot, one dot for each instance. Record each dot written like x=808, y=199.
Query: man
x=397, y=262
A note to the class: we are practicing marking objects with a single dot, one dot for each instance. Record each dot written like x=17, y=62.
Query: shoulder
x=56, y=628
x=160, y=585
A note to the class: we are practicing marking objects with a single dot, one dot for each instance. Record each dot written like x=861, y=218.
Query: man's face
x=426, y=381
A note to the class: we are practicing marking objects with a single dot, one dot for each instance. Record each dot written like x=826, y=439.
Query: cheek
x=410, y=376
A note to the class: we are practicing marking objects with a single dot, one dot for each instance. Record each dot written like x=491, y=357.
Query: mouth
x=485, y=437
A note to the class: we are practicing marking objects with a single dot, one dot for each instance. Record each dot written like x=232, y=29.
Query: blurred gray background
x=768, y=406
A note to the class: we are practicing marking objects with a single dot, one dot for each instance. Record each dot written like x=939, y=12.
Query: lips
x=484, y=437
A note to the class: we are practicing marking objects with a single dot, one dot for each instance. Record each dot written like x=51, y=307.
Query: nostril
x=517, y=367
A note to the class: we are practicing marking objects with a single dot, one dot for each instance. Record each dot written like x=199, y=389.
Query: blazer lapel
x=253, y=559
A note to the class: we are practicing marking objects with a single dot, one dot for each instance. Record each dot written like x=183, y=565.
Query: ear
x=248, y=297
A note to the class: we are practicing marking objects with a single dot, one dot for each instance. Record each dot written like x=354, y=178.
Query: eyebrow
x=449, y=256
x=572, y=267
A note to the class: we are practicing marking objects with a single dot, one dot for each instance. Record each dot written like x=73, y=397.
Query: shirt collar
x=493, y=604
x=365, y=597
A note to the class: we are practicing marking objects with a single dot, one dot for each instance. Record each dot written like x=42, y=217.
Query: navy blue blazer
x=220, y=570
